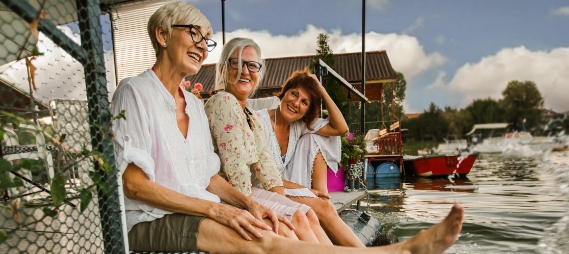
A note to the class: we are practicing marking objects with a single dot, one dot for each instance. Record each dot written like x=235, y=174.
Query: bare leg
x=284, y=230
x=320, y=174
x=215, y=238
x=317, y=228
x=303, y=228
x=335, y=228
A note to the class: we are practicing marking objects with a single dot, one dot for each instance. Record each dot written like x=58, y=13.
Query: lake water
x=514, y=203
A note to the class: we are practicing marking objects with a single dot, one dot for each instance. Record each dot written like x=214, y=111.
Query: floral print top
x=242, y=147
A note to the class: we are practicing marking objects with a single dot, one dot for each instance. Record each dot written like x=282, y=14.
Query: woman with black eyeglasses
x=239, y=139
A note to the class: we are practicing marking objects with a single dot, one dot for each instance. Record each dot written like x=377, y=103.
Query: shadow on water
x=513, y=204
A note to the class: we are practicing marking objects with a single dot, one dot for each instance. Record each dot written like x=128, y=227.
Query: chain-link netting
x=58, y=181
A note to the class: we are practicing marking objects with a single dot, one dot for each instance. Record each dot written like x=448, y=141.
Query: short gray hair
x=221, y=74
x=175, y=13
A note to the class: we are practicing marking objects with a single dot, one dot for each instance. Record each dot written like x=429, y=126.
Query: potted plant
x=353, y=150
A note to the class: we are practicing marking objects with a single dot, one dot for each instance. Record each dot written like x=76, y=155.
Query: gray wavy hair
x=175, y=13
x=221, y=75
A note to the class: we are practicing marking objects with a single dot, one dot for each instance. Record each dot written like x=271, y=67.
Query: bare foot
x=439, y=237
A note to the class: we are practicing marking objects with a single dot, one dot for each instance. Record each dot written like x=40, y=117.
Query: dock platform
x=343, y=200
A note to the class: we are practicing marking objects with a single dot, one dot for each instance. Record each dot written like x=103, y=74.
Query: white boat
x=452, y=147
x=511, y=141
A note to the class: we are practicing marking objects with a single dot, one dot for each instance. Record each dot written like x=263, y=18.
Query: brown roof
x=378, y=69
x=412, y=115
x=15, y=100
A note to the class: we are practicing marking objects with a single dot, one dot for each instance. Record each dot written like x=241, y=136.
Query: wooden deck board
x=343, y=200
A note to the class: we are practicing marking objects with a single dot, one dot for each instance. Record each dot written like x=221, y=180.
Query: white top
x=297, y=168
x=151, y=139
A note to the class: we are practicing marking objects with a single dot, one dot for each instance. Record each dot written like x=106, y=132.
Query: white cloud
x=490, y=76
x=562, y=11
x=439, y=81
x=416, y=25
x=405, y=52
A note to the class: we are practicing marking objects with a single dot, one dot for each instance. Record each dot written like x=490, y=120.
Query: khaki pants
x=173, y=232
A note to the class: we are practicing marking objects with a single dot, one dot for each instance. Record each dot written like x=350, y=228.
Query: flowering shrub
x=353, y=145
x=198, y=87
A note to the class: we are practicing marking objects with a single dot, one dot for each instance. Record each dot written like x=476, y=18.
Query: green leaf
x=121, y=115
x=85, y=151
x=31, y=165
x=36, y=51
x=17, y=182
x=86, y=196
x=96, y=177
x=49, y=212
x=4, y=236
x=5, y=181
x=5, y=165
x=58, y=190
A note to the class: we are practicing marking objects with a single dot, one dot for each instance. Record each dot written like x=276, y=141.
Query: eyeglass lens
x=251, y=65
x=197, y=37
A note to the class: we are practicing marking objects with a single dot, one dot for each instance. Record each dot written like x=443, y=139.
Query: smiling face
x=244, y=86
x=294, y=104
x=183, y=53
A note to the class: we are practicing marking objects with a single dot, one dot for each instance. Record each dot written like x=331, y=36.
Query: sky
x=450, y=52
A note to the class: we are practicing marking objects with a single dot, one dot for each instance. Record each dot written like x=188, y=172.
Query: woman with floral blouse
x=239, y=139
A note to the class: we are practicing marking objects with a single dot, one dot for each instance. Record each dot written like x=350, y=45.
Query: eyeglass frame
x=246, y=63
x=190, y=26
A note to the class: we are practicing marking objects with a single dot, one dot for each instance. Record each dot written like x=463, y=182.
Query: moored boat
x=439, y=164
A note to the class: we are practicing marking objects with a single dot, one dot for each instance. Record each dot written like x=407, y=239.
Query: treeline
x=521, y=106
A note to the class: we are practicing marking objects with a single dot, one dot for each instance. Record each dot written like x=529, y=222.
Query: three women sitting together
x=221, y=177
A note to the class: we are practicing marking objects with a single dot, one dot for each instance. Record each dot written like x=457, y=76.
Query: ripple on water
x=513, y=203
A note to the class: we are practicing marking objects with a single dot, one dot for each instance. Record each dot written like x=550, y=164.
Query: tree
x=486, y=111
x=522, y=101
x=332, y=86
x=399, y=87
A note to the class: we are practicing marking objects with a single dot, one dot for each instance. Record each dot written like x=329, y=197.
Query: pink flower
x=195, y=91
x=350, y=136
x=228, y=127
x=198, y=86
x=186, y=83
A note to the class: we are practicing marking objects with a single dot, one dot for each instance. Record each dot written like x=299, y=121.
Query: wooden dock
x=343, y=200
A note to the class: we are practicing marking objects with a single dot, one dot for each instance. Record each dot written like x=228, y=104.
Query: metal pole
x=223, y=19
x=392, y=102
x=88, y=12
x=363, y=107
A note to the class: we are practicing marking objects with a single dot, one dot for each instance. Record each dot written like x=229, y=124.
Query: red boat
x=438, y=165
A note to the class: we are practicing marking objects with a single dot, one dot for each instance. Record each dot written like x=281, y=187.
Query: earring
x=164, y=44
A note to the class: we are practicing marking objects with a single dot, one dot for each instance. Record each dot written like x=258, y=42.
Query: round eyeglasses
x=252, y=66
x=197, y=36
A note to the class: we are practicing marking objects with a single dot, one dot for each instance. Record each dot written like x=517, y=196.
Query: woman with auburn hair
x=304, y=145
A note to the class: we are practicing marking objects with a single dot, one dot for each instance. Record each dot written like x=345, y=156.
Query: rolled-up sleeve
x=131, y=135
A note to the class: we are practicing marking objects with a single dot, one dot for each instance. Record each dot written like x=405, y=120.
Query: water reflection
x=513, y=204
